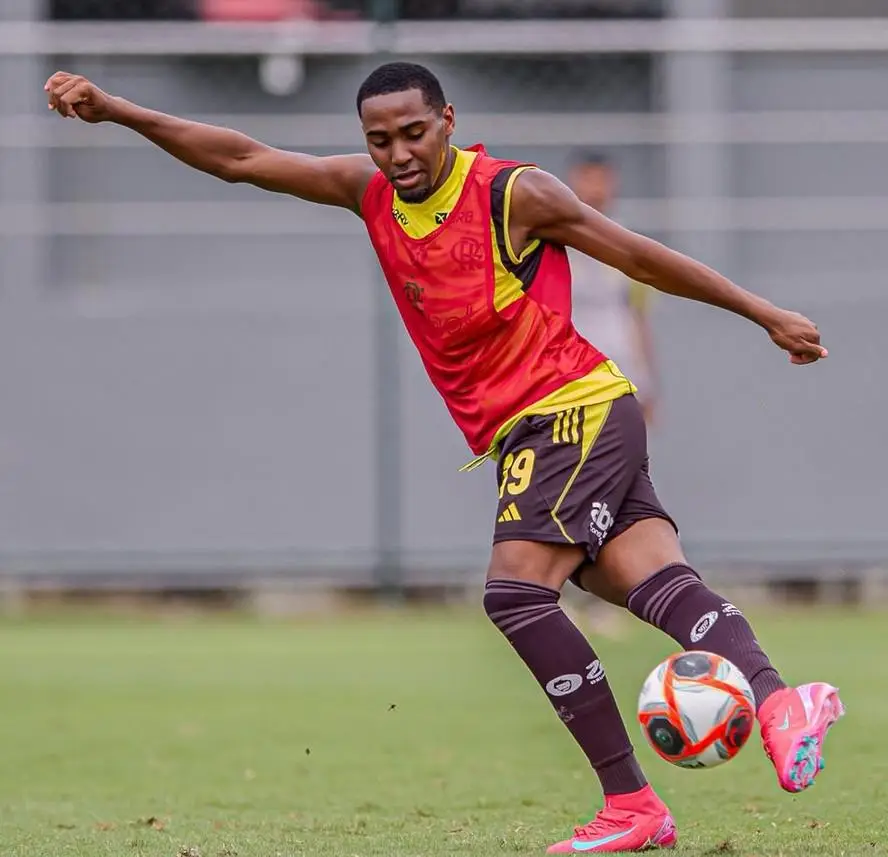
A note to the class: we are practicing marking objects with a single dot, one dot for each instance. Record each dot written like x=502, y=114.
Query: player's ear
x=449, y=119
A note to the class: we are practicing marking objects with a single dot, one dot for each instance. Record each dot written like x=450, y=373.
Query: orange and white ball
x=696, y=710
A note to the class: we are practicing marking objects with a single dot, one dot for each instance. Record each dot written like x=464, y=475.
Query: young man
x=473, y=251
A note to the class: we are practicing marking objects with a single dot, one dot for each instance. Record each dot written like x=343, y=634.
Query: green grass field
x=396, y=734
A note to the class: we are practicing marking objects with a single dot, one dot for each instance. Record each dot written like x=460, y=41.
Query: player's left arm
x=545, y=208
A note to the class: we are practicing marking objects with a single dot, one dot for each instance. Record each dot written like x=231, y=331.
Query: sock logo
x=565, y=715
x=564, y=684
x=729, y=609
x=601, y=520
x=702, y=626
x=569, y=683
x=594, y=672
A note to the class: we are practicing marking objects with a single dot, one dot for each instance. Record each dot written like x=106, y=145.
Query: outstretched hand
x=73, y=96
x=798, y=336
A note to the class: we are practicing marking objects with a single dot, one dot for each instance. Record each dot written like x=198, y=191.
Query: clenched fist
x=797, y=335
x=73, y=96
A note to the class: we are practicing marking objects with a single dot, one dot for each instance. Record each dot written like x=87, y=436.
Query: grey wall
x=180, y=395
x=760, y=458
x=807, y=9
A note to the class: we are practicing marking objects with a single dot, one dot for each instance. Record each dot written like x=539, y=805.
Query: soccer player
x=473, y=249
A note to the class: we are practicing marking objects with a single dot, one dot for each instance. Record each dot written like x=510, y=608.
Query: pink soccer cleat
x=633, y=822
x=794, y=722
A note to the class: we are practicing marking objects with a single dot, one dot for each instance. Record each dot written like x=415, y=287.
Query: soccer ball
x=696, y=710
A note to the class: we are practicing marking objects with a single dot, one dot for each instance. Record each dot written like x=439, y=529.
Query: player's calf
x=794, y=721
x=570, y=673
x=676, y=601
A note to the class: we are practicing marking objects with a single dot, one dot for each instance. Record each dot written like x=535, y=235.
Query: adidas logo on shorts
x=510, y=513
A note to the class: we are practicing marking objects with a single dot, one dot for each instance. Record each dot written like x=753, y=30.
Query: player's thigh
x=644, y=539
x=562, y=479
x=545, y=563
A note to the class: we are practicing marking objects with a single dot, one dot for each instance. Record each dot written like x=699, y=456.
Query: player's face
x=409, y=141
x=594, y=184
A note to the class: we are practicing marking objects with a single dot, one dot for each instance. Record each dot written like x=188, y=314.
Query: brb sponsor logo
x=702, y=626
x=564, y=685
x=442, y=217
x=600, y=522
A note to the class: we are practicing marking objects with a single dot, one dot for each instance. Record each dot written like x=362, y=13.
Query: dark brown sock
x=677, y=602
x=569, y=671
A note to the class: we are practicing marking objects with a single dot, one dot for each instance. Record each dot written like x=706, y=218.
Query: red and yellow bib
x=492, y=328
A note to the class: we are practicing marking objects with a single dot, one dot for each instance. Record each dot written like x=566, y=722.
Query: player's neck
x=449, y=161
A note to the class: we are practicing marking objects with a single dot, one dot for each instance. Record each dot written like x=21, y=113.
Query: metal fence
x=204, y=380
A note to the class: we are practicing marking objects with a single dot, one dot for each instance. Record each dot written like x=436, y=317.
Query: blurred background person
x=610, y=310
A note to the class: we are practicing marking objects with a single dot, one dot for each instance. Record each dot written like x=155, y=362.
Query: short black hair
x=591, y=158
x=400, y=77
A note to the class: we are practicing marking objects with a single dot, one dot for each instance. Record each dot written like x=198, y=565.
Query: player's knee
x=629, y=559
x=502, y=593
x=499, y=570
x=546, y=565
x=510, y=604
x=590, y=578
x=494, y=601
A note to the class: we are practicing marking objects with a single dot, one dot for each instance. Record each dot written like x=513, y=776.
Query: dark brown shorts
x=579, y=477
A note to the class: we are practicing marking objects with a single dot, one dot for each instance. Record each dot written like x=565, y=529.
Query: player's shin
x=569, y=671
x=677, y=602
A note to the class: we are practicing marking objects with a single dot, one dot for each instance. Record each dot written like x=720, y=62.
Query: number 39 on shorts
x=517, y=471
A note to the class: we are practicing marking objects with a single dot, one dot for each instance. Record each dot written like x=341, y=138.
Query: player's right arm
x=338, y=180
